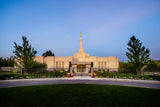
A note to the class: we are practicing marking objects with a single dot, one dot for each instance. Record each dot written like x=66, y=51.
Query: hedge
x=103, y=74
x=27, y=76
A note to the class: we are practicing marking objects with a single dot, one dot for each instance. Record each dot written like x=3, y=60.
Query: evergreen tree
x=6, y=62
x=137, y=54
x=1, y=61
x=24, y=54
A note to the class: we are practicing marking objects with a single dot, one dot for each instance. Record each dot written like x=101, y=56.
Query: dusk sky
x=55, y=25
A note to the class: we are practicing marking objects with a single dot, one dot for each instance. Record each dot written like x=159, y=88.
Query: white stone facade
x=80, y=58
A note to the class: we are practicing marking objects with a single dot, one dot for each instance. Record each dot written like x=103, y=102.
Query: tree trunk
x=142, y=72
x=22, y=71
x=137, y=72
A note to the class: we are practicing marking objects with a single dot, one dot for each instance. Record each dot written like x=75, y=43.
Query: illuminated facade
x=80, y=62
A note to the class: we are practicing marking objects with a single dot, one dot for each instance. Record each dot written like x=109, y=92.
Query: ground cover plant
x=79, y=95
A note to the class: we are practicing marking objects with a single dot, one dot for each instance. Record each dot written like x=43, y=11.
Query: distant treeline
x=5, y=62
x=150, y=65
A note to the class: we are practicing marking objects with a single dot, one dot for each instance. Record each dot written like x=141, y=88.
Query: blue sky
x=106, y=26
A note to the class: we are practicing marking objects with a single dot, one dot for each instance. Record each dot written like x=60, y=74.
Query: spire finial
x=80, y=48
x=80, y=34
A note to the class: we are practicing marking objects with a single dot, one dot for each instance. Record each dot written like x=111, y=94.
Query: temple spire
x=80, y=48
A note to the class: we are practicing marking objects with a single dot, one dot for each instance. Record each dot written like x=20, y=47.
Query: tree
x=24, y=54
x=10, y=61
x=37, y=65
x=137, y=54
x=48, y=53
x=152, y=65
x=5, y=62
x=126, y=67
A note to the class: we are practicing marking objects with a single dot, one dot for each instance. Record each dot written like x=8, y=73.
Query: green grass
x=78, y=95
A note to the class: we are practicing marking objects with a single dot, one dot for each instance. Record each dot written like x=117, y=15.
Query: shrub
x=20, y=76
x=155, y=77
x=125, y=76
x=15, y=71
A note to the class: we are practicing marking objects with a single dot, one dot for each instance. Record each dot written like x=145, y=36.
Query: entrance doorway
x=81, y=68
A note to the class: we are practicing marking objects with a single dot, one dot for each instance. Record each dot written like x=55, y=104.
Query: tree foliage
x=24, y=54
x=152, y=65
x=5, y=62
x=48, y=53
x=37, y=65
x=126, y=67
x=138, y=55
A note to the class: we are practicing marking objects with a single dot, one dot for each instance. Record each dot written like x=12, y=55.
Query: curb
x=78, y=78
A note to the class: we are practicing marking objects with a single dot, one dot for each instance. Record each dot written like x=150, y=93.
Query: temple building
x=80, y=62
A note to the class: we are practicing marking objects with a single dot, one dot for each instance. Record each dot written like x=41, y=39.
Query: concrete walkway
x=80, y=80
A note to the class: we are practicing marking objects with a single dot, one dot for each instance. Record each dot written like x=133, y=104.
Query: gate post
x=71, y=69
x=91, y=69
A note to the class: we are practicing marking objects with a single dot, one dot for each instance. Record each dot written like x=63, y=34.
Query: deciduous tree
x=152, y=65
x=48, y=53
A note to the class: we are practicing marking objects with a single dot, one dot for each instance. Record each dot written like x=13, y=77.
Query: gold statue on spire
x=80, y=48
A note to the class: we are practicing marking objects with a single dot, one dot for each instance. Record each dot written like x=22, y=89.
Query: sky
x=55, y=25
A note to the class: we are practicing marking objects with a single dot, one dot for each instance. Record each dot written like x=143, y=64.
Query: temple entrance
x=81, y=68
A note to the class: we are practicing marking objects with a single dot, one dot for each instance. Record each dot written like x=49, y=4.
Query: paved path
x=80, y=80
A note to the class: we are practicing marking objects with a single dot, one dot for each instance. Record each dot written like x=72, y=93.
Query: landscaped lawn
x=78, y=95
